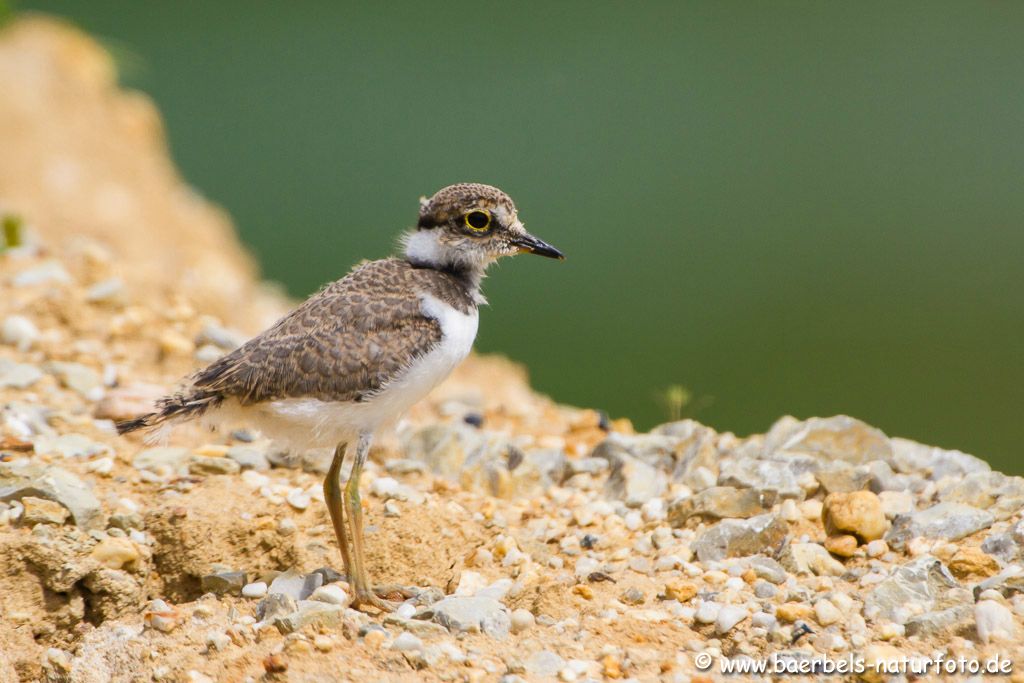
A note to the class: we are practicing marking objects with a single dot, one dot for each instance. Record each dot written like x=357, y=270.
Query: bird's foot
x=386, y=598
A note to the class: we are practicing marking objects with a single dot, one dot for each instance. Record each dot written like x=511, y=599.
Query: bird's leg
x=335, y=506
x=362, y=593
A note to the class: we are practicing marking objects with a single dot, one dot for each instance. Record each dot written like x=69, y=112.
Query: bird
x=346, y=364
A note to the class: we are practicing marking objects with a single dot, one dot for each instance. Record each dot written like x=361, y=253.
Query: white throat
x=422, y=248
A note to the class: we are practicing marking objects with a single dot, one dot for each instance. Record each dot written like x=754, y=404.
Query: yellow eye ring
x=477, y=220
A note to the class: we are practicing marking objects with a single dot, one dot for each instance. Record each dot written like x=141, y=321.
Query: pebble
x=944, y=521
x=217, y=640
x=522, y=620
x=374, y=638
x=966, y=563
x=826, y=613
x=42, y=511
x=206, y=465
x=299, y=499
x=841, y=546
x=406, y=642
x=19, y=331
x=471, y=614
x=994, y=622
x=331, y=593
x=79, y=378
x=18, y=375
x=27, y=478
x=858, y=513
x=633, y=596
x=45, y=273
x=105, y=291
x=728, y=617
x=707, y=613
x=115, y=553
x=544, y=663
x=223, y=583
x=877, y=548
x=254, y=590
x=811, y=558
x=737, y=538
x=794, y=611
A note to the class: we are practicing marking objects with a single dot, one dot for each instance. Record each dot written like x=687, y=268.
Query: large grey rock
x=739, y=538
x=1009, y=582
x=939, y=622
x=923, y=584
x=25, y=478
x=810, y=558
x=946, y=521
x=829, y=438
x=776, y=479
x=694, y=453
x=935, y=463
x=631, y=479
x=469, y=615
x=295, y=585
x=717, y=502
x=224, y=583
x=841, y=477
x=309, y=612
x=655, y=450
x=995, y=492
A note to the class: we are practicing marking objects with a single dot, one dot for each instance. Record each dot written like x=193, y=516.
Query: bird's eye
x=478, y=220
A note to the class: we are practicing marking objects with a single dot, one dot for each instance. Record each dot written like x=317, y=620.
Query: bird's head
x=469, y=226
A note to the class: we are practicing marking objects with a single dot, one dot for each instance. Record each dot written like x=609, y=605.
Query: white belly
x=310, y=422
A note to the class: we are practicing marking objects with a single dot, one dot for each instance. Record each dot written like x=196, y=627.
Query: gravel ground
x=548, y=542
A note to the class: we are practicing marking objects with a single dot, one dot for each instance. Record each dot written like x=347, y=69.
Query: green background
x=807, y=208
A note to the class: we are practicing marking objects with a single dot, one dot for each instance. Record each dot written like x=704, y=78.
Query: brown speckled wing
x=343, y=343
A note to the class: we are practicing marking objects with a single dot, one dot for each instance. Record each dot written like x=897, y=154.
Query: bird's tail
x=175, y=407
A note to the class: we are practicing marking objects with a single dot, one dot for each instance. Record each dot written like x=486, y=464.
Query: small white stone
x=407, y=642
x=19, y=331
x=332, y=593
x=654, y=510
x=890, y=630
x=728, y=617
x=826, y=613
x=254, y=479
x=298, y=499
x=811, y=509
x=877, y=548
x=522, y=620
x=385, y=487
x=406, y=610
x=634, y=520
x=707, y=613
x=254, y=590
x=585, y=566
x=217, y=640
x=994, y=621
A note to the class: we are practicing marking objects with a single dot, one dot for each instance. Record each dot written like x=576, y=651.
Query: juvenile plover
x=351, y=359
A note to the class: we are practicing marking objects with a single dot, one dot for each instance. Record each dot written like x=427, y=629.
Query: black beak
x=529, y=244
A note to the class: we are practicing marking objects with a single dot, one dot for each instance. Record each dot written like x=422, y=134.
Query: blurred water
x=804, y=208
